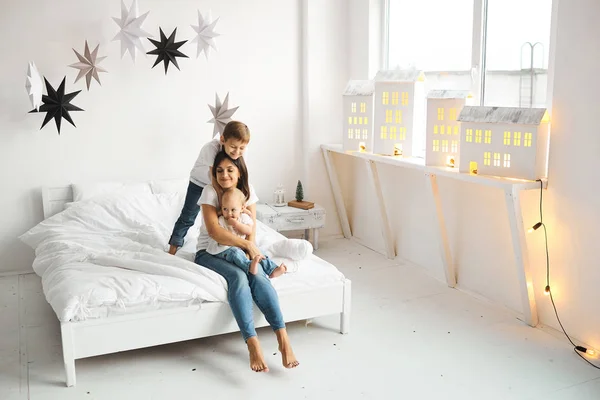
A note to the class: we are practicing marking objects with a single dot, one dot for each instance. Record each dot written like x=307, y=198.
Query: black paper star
x=166, y=49
x=57, y=104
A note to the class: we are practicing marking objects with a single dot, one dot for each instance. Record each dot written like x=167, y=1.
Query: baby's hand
x=246, y=211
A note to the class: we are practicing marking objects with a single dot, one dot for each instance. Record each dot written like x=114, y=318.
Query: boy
x=233, y=140
x=239, y=223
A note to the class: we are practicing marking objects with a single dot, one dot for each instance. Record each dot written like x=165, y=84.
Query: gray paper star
x=87, y=65
x=205, y=34
x=221, y=114
x=131, y=30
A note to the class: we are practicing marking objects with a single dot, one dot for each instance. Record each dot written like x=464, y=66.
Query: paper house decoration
x=443, y=130
x=399, y=120
x=504, y=141
x=358, y=116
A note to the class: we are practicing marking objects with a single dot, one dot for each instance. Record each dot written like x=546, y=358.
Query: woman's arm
x=223, y=236
x=252, y=209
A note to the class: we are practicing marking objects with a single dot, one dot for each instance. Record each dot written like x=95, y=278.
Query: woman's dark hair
x=240, y=164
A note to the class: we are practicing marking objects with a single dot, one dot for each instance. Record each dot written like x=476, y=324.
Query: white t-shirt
x=209, y=196
x=216, y=248
x=200, y=174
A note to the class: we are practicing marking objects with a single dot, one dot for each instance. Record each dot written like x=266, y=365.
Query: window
x=445, y=146
x=506, y=138
x=384, y=132
x=404, y=98
x=478, y=136
x=355, y=120
x=402, y=133
x=487, y=158
x=456, y=129
x=393, y=135
x=350, y=133
x=488, y=136
x=395, y=98
x=435, y=129
x=507, y=161
x=366, y=121
x=527, y=140
x=363, y=107
x=440, y=114
x=436, y=145
x=497, y=49
x=357, y=133
x=353, y=107
x=452, y=115
x=455, y=146
x=388, y=116
x=517, y=139
x=385, y=98
x=365, y=134
x=496, y=159
x=349, y=120
x=469, y=135
x=360, y=120
x=398, y=116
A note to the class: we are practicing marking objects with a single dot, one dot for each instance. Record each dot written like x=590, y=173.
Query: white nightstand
x=290, y=219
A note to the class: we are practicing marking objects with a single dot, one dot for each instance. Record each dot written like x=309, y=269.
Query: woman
x=242, y=287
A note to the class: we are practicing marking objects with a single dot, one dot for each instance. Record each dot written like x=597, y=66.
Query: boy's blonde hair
x=235, y=194
x=236, y=130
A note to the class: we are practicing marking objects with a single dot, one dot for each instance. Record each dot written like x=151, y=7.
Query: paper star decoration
x=34, y=86
x=221, y=114
x=87, y=65
x=57, y=104
x=166, y=49
x=205, y=34
x=131, y=30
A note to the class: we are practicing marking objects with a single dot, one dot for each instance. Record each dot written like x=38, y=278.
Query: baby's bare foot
x=287, y=356
x=254, y=265
x=257, y=360
x=278, y=271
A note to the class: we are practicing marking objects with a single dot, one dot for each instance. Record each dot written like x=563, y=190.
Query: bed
x=100, y=252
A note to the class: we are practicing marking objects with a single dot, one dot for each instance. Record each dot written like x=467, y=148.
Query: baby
x=240, y=224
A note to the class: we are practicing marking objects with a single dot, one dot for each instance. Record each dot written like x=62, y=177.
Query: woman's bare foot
x=173, y=250
x=278, y=271
x=287, y=355
x=254, y=265
x=257, y=360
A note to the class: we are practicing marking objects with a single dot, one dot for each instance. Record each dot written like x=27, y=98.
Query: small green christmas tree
x=299, y=192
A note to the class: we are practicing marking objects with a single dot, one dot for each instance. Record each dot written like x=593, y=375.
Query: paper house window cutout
x=384, y=132
x=386, y=98
x=440, y=114
x=469, y=136
x=496, y=159
x=445, y=146
x=454, y=148
x=435, y=129
x=456, y=129
x=517, y=139
x=436, y=145
x=356, y=119
x=527, y=161
x=487, y=158
x=488, y=136
x=406, y=111
x=393, y=135
x=452, y=114
x=473, y=167
x=478, y=136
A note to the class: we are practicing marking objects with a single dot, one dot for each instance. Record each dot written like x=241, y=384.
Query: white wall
x=476, y=217
x=141, y=124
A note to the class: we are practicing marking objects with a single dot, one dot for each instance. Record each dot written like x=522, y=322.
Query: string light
x=578, y=349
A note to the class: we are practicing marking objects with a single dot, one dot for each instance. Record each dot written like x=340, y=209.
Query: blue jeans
x=237, y=257
x=242, y=289
x=188, y=215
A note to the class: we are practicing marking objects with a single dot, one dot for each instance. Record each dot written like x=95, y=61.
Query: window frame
x=479, y=46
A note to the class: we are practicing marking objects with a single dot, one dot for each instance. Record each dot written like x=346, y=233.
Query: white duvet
x=110, y=252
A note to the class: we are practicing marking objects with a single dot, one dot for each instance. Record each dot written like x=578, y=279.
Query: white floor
x=411, y=338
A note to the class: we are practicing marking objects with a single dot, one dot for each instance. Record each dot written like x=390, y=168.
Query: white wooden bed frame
x=133, y=331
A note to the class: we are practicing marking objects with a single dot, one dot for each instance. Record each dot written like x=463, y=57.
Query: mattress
x=106, y=256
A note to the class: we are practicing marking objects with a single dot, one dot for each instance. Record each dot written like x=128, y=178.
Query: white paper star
x=87, y=65
x=34, y=86
x=221, y=114
x=205, y=34
x=131, y=30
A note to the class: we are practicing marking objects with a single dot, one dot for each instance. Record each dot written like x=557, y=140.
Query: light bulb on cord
x=547, y=290
x=535, y=227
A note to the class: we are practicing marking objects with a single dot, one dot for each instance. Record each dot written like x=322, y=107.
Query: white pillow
x=85, y=191
x=169, y=186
